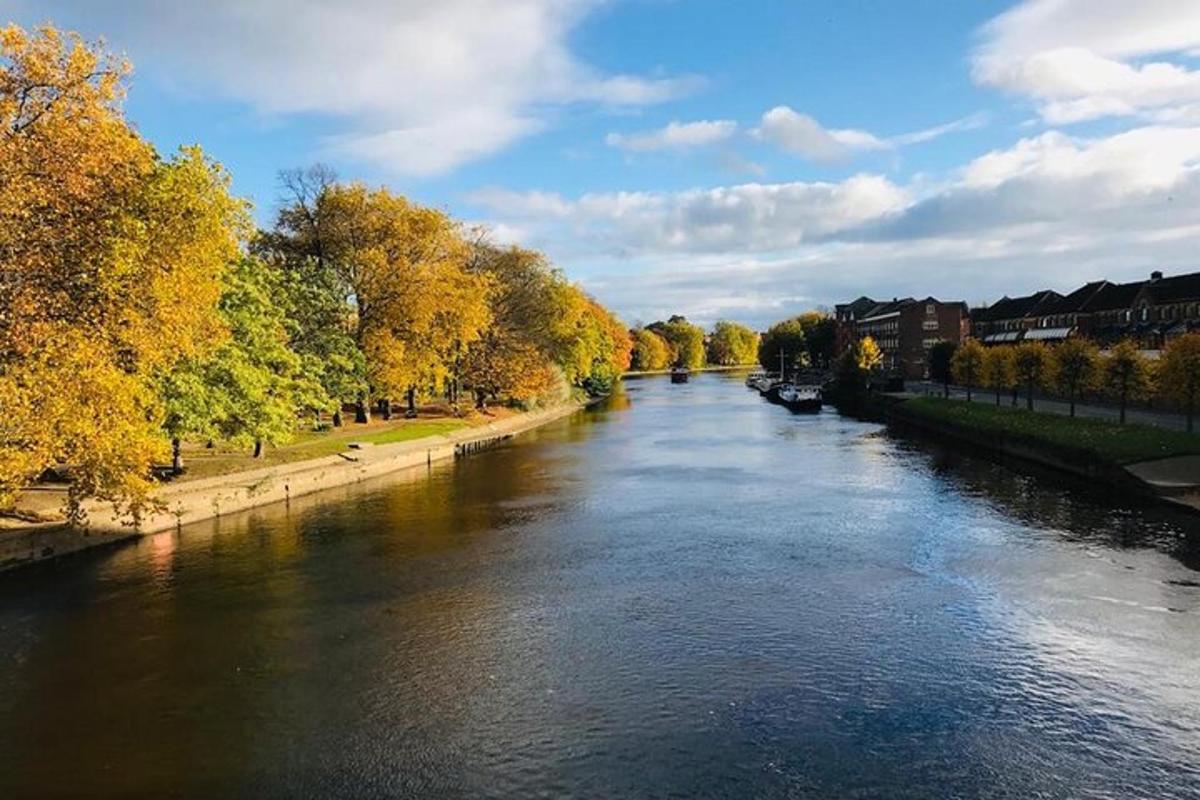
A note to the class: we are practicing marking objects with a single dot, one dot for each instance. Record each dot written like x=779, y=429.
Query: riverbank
x=1151, y=463
x=191, y=501
x=735, y=368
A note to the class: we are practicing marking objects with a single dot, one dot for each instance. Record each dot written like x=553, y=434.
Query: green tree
x=941, y=358
x=784, y=344
x=999, y=370
x=1034, y=367
x=686, y=341
x=731, y=344
x=820, y=335
x=1179, y=374
x=257, y=382
x=967, y=364
x=651, y=352
x=1126, y=374
x=1077, y=363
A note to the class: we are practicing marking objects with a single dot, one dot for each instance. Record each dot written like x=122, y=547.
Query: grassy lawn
x=203, y=462
x=1123, y=444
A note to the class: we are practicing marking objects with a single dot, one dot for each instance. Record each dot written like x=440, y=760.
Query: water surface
x=684, y=593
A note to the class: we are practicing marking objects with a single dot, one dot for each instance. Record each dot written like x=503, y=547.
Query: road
x=1139, y=415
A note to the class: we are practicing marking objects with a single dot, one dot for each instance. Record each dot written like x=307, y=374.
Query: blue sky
x=743, y=160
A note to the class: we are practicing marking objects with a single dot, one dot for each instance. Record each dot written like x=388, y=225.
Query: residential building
x=905, y=330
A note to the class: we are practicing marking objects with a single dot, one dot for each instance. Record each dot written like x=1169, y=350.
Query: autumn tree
x=1077, y=364
x=967, y=364
x=941, y=362
x=112, y=261
x=1034, y=368
x=651, y=352
x=1179, y=374
x=732, y=344
x=867, y=354
x=685, y=339
x=1126, y=374
x=999, y=372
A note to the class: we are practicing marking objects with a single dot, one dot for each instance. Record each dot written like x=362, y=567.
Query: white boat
x=800, y=398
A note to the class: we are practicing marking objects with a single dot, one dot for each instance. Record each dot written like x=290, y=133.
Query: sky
x=744, y=159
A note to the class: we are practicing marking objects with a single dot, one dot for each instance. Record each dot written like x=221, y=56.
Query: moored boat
x=802, y=398
x=679, y=375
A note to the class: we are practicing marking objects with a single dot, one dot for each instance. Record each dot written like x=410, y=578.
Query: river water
x=685, y=592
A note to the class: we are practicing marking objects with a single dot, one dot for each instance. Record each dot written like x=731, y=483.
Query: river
x=684, y=592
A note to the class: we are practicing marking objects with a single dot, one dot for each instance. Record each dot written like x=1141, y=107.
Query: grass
x=1122, y=444
x=202, y=462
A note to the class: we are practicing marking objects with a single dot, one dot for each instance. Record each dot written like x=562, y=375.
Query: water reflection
x=685, y=592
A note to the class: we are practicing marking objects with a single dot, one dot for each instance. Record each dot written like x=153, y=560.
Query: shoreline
x=1140, y=480
x=642, y=373
x=209, y=498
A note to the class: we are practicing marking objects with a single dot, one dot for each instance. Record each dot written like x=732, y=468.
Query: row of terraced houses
x=1150, y=311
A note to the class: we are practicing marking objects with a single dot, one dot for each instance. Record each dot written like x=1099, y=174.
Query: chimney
x=1155, y=276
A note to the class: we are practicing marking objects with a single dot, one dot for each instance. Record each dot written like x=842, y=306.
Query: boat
x=753, y=378
x=679, y=375
x=804, y=398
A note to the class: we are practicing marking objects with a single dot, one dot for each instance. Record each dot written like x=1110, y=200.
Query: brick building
x=905, y=329
x=1151, y=312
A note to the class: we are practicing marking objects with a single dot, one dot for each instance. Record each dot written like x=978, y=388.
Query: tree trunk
x=968, y=392
x=946, y=389
x=337, y=417
x=1029, y=397
x=258, y=448
x=411, y=413
x=362, y=414
x=997, y=397
x=1072, y=403
x=385, y=408
x=1124, y=397
x=480, y=400
x=1015, y=393
x=177, y=456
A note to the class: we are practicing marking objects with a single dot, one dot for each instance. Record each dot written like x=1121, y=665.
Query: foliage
x=867, y=354
x=113, y=261
x=941, y=357
x=967, y=364
x=820, y=335
x=651, y=353
x=783, y=344
x=1126, y=373
x=1121, y=444
x=732, y=344
x=1034, y=367
x=1077, y=364
x=1179, y=373
x=685, y=340
x=999, y=371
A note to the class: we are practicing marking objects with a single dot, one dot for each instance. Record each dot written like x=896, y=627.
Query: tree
x=731, y=344
x=967, y=364
x=112, y=261
x=1126, y=373
x=685, y=339
x=999, y=370
x=651, y=353
x=1077, y=363
x=941, y=357
x=783, y=346
x=1034, y=368
x=820, y=336
x=258, y=383
x=867, y=354
x=1179, y=373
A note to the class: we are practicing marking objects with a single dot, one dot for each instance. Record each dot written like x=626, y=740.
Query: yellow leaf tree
x=112, y=265
x=1179, y=374
x=967, y=364
x=1126, y=373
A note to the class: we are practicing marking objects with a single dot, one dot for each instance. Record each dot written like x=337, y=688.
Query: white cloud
x=1049, y=210
x=676, y=135
x=1085, y=59
x=416, y=86
x=801, y=135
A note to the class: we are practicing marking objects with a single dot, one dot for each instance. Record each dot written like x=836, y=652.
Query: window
x=930, y=309
x=929, y=325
